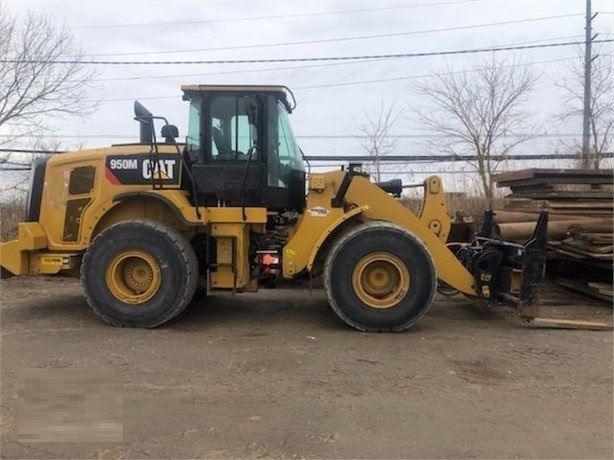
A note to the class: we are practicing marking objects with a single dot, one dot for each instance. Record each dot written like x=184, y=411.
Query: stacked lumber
x=580, y=230
x=571, y=192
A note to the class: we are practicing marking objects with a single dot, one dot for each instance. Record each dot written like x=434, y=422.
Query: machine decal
x=143, y=169
x=49, y=260
x=318, y=211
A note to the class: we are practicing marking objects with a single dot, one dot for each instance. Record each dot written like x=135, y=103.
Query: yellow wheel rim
x=380, y=280
x=133, y=277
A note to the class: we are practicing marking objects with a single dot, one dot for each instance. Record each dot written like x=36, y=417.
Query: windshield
x=284, y=154
x=289, y=151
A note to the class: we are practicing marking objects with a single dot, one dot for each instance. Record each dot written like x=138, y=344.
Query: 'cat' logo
x=155, y=169
x=160, y=169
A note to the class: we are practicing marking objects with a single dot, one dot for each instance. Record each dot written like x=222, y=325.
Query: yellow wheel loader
x=149, y=223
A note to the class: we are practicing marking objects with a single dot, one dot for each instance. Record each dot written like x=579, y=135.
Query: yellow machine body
x=145, y=225
x=69, y=221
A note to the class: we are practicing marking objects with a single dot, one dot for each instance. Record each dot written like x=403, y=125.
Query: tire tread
x=340, y=244
x=184, y=249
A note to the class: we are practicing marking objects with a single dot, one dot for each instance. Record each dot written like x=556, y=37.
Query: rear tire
x=139, y=273
x=379, y=277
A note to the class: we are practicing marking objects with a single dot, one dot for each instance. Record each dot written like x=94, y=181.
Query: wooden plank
x=526, y=177
x=533, y=188
x=569, y=323
x=598, y=270
x=548, y=187
x=565, y=195
x=556, y=180
x=581, y=245
x=531, y=173
x=556, y=228
x=598, y=238
x=562, y=204
x=584, y=288
x=504, y=217
x=578, y=254
x=603, y=288
x=556, y=247
x=588, y=213
x=532, y=207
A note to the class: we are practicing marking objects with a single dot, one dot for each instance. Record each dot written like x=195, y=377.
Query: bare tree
x=479, y=111
x=34, y=86
x=375, y=129
x=601, y=107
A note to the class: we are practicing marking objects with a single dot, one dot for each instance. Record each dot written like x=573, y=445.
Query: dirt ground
x=277, y=375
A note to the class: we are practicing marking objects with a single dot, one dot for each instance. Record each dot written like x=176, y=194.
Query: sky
x=332, y=97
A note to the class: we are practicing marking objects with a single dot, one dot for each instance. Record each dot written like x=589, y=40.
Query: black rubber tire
x=4, y=273
x=176, y=261
x=369, y=238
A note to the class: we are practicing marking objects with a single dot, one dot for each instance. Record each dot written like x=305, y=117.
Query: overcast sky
x=331, y=96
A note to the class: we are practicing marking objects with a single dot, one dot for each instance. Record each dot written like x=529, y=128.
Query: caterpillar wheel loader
x=147, y=224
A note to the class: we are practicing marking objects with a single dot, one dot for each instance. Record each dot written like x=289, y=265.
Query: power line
x=361, y=82
x=42, y=152
x=414, y=77
x=443, y=158
x=300, y=67
x=307, y=59
x=259, y=18
x=329, y=85
x=233, y=72
x=305, y=136
x=394, y=158
x=413, y=136
x=341, y=39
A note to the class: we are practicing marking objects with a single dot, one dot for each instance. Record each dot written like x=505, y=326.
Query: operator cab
x=241, y=148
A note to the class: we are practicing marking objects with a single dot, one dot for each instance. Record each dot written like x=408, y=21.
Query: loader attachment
x=508, y=272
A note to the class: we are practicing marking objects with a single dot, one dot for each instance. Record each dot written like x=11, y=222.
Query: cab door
x=230, y=169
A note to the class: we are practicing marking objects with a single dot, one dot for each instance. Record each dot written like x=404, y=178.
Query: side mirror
x=169, y=133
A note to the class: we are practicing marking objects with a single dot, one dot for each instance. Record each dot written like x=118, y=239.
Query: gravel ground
x=277, y=375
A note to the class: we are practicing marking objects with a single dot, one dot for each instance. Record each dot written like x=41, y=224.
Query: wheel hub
x=133, y=277
x=380, y=280
x=137, y=274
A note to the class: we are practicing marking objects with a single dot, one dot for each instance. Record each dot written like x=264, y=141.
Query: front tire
x=139, y=273
x=379, y=277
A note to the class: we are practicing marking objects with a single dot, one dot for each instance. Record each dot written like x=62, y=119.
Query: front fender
x=331, y=228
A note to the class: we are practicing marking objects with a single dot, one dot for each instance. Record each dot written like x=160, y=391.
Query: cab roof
x=282, y=92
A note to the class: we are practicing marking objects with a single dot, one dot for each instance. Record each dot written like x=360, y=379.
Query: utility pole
x=588, y=59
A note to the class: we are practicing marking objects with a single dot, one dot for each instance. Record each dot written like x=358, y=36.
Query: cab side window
x=193, y=137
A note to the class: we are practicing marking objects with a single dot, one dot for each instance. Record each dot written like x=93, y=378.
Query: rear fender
x=168, y=206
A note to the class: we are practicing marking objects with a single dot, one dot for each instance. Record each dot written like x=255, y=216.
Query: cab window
x=284, y=153
x=193, y=139
x=234, y=133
